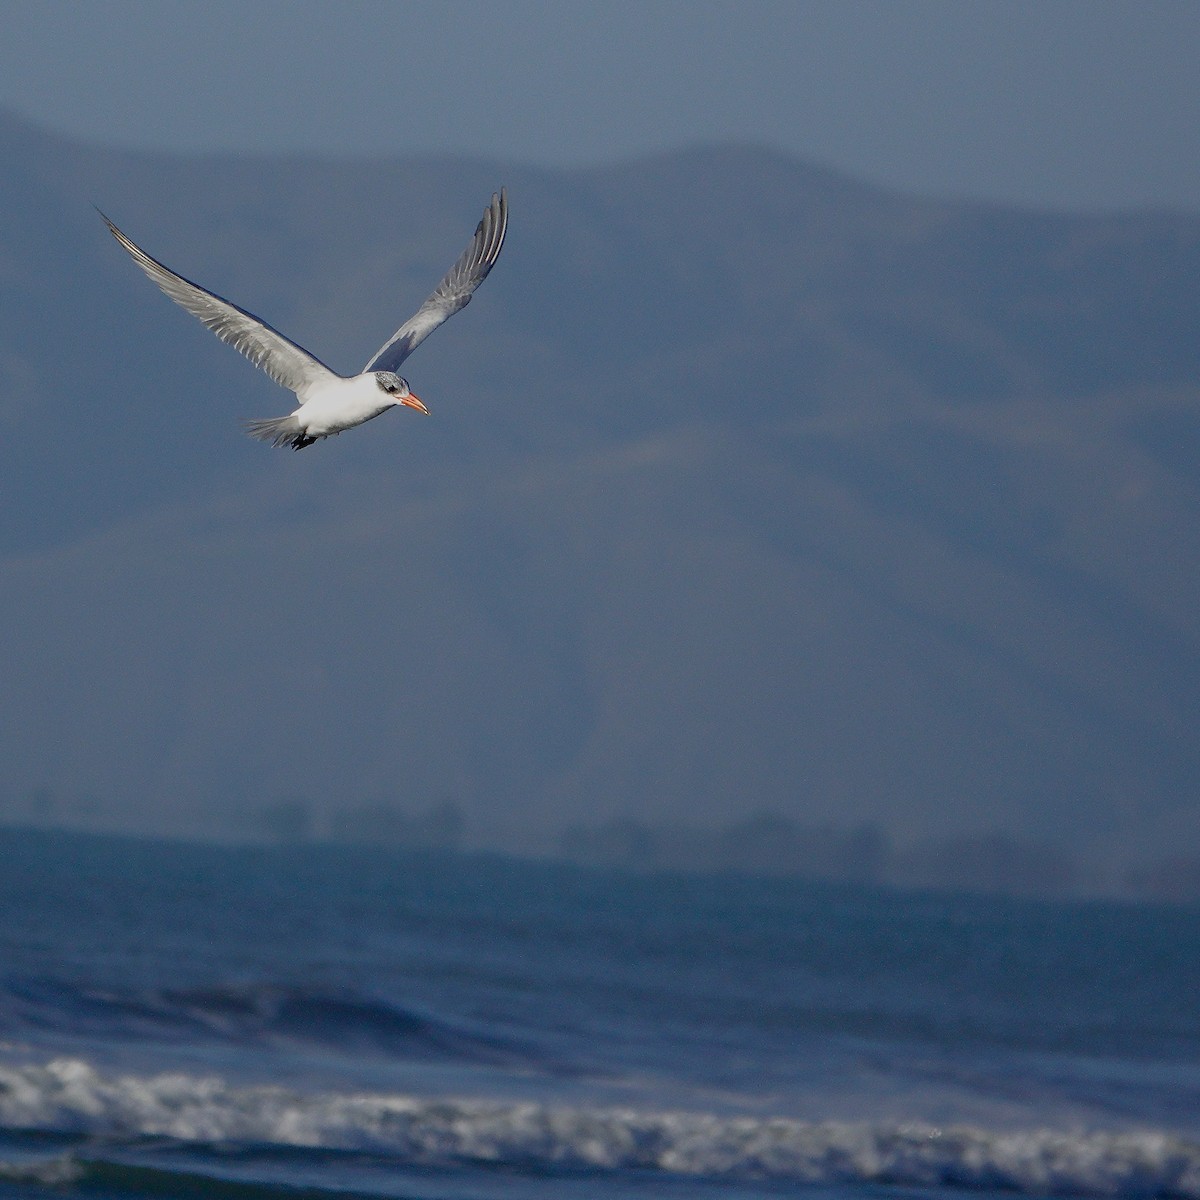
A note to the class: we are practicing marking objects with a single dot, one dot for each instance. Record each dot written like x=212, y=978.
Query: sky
x=1053, y=103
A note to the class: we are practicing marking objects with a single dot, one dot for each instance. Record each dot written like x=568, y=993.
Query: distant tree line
x=379, y=822
x=762, y=843
x=770, y=844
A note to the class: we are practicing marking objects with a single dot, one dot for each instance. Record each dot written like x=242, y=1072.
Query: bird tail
x=279, y=431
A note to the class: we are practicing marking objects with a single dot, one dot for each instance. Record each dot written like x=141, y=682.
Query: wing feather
x=285, y=362
x=455, y=290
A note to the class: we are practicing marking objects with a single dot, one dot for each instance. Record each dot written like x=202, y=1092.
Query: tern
x=329, y=402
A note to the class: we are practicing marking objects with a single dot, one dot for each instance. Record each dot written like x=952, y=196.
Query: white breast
x=342, y=404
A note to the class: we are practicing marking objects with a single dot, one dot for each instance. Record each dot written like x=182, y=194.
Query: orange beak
x=414, y=401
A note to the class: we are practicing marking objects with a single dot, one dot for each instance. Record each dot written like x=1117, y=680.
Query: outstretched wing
x=281, y=358
x=454, y=292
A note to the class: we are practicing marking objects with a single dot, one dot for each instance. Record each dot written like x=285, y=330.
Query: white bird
x=330, y=402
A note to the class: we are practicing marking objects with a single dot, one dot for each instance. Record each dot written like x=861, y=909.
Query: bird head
x=398, y=390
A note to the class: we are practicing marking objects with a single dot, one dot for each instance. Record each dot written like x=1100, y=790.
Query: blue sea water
x=257, y=1023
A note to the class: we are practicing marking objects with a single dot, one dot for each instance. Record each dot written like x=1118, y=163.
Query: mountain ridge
x=741, y=492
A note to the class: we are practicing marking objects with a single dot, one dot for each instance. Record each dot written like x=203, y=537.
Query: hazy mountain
x=747, y=487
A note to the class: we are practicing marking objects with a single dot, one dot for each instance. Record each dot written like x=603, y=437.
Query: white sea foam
x=69, y=1095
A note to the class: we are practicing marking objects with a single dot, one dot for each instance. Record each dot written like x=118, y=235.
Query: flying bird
x=329, y=402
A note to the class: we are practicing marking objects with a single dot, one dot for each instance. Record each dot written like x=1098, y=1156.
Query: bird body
x=343, y=403
x=331, y=403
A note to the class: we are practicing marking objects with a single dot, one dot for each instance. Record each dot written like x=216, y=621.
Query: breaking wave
x=68, y=1096
x=262, y=1013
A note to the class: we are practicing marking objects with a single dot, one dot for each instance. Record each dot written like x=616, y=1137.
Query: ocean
x=253, y=1023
